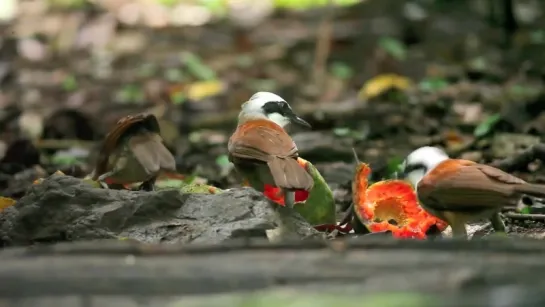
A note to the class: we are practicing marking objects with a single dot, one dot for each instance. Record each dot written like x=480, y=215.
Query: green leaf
x=319, y=208
x=342, y=131
x=487, y=125
x=393, y=47
x=169, y=3
x=342, y=71
x=222, y=160
x=130, y=93
x=217, y=7
x=64, y=160
x=190, y=179
x=432, y=84
x=197, y=68
x=393, y=165
x=178, y=98
x=526, y=210
x=224, y=164
x=70, y=83
x=170, y=183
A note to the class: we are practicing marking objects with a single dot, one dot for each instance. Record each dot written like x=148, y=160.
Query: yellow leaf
x=201, y=90
x=94, y=184
x=6, y=202
x=381, y=84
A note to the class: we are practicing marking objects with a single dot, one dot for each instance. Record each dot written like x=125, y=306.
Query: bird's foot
x=497, y=223
x=103, y=184
x=148, y=185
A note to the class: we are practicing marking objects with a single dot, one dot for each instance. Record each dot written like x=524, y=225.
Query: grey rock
x=64, y=208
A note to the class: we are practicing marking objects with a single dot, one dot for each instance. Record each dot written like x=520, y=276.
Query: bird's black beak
x=298, y=120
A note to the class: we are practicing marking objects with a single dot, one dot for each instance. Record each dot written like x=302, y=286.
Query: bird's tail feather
x=151, y=152
x=536, y=190
x=288, y=174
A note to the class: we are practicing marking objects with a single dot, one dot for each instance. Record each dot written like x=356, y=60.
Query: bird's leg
x=497, y=223
x=148, y=185
x=119, y=165
x=458, y=230
x=102, y=177
x=289, y=198
x=498, y=226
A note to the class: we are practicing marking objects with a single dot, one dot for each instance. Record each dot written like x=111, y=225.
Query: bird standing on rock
x=263, y=152
x=133, y=151
x=460, y=191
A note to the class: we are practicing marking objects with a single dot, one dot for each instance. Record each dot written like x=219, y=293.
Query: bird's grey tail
x=288, y=174
x=532, y=189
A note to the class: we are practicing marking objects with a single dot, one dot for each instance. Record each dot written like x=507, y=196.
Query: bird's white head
x=267, y=105
x=419, y=162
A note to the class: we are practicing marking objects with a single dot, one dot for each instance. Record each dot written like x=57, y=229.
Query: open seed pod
x=391, y=205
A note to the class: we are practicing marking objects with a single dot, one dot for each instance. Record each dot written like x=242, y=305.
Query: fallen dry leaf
x=382, y=83
x=6, y=202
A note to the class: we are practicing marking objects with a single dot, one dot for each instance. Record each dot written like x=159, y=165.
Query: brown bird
x=133, y=151
x=461, y=191
x=263, y=152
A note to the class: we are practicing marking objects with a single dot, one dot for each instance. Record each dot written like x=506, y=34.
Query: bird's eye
x=286, y=109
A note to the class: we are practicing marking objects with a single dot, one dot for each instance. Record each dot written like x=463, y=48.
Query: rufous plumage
x=461, y=191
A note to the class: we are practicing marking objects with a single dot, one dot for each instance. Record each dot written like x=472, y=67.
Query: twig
x=536, y=152
x=63, y=144
x=525, y=217
x=323, y=46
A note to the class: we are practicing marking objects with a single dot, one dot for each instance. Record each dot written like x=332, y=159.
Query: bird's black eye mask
x=284, y=109
x=280, y=107
x=413, y=167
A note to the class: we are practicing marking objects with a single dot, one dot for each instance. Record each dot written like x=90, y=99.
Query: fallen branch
x=536, y=152
x=525, y=217
x=63, y=144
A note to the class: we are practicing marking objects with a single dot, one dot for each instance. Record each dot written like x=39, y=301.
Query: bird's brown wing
x=261, y=143
x=499, y=175
x=470, y=188
x=271, y=145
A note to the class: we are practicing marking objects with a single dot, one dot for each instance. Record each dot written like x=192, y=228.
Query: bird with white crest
x=460, y=191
